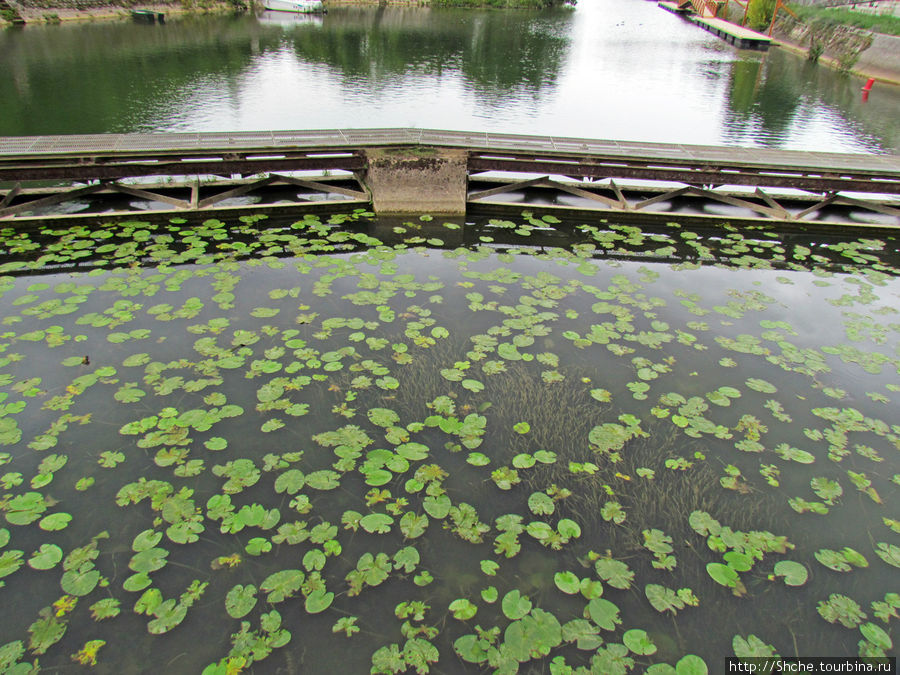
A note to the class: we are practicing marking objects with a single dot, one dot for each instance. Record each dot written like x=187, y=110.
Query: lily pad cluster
x=509, y=445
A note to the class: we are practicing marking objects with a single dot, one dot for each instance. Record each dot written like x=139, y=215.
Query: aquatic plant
x=501, y=456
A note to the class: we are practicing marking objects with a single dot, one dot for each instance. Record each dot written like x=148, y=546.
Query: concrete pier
x=417, y=180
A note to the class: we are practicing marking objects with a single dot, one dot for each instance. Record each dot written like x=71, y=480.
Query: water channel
x=520, y=444
x=620, y=69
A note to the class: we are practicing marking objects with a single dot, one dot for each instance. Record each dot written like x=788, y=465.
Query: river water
x=618, y=69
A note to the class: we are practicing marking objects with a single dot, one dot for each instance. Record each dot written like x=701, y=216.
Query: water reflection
x=497, y=55
x=610, y=69
x=764, y=104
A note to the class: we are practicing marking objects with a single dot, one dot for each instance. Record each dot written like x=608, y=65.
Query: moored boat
x=296, y=6
x=148, y=16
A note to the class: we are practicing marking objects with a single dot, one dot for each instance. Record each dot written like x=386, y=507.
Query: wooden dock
x=740, y=37
x=421, y=170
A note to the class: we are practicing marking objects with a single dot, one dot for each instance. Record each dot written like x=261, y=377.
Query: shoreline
x=42, y=15
x=118, y=12
x=885, y=76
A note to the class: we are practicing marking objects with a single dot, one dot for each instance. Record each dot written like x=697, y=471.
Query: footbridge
x=416, y=171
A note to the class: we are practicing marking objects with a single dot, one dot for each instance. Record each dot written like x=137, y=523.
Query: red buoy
x=868, y=87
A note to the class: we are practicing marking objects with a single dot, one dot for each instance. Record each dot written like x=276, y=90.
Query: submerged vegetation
x=508, y=445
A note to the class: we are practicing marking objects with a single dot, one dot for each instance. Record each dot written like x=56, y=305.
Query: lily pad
x=515, y=605
x=722, y=574
x=46, y=557
x=691, y=665
x=567, y=582
x=639, y=642
x=240, y=600
x=282, y=585
x=876, y=635
x=794, y=573
x=603, y=613
x=377, y=523
x=614, y=572
x=462, y=609
x=81, y=581
x=751, y=647
x=318, y=601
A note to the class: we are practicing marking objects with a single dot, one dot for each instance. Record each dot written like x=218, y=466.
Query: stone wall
x=841, y=44
x=882, y=58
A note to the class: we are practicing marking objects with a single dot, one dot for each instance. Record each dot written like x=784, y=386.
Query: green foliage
x=878, y=23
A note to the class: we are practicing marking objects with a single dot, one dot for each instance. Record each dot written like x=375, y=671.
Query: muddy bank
x=53, y=11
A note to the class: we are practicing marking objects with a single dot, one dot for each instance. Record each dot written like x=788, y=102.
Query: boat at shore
x=289, y=19
x=295, y=6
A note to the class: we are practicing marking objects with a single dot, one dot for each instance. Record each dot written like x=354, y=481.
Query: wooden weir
x=413, y=171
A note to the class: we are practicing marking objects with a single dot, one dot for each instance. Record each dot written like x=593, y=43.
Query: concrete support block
x=417, y=180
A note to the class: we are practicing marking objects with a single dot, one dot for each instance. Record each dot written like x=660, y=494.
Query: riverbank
x=58, y=11
x=845, y=48
x=855, y=51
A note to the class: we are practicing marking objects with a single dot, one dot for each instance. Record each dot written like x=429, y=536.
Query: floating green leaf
x=240, y=600
x=794, y=573
x=515, y=605
x=722, y=574
x=614, y=572
x=751, y=647
x=462, y=609
x=318, y=601
x=81, y=581
x=639, y=642
x=567, y=582
x=603, y=613
x=46, y=557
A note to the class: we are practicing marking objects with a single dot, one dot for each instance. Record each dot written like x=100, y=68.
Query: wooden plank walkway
x=32, y=147
x=740, y=37
x=22, y=157
x=697, y=170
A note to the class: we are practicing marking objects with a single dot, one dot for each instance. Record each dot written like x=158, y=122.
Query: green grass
x=879, y=23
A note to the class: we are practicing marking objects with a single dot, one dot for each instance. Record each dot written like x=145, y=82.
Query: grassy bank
x=878, y=23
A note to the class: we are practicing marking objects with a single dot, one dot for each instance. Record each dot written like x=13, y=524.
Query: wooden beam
x=587, y=194
x=784, y=214
x=51, y=200
x=866, y=204
x=152, y=196
x=663, y=197
x=622, y=200
x=817, y=206
x=235, y=192
x=734, y=201
x=9, y=196
x=508, y=187
x=321, y=187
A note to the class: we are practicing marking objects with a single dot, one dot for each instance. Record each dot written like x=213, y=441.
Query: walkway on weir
x=421, y=170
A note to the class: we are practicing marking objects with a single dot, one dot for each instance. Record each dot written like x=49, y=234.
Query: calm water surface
x=621, y=69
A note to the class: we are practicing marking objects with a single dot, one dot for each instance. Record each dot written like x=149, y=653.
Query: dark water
x=389, y=397
x=620, y=69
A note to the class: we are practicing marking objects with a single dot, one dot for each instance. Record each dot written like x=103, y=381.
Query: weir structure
x=420, y=171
